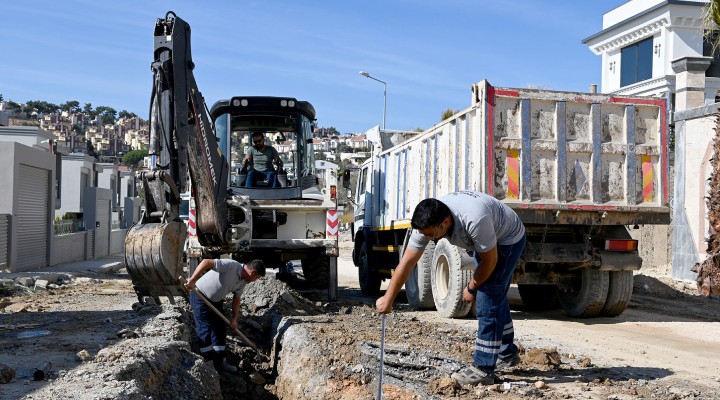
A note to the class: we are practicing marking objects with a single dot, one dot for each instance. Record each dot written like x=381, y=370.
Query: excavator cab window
x=287, y=125
x=287, y=134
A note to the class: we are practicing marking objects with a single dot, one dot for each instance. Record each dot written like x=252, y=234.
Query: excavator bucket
x=153, y=256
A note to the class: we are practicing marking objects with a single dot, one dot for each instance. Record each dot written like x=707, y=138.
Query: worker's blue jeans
x=210, y=329
x=495, y=328
x=254, y=176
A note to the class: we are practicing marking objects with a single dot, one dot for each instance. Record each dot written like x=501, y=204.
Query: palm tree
x=712, y=19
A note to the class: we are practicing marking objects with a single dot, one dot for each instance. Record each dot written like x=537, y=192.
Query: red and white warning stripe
x=191, y=224
x=331, y=224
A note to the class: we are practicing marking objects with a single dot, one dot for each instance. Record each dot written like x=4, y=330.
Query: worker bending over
x=215, y=278
x=480, y=223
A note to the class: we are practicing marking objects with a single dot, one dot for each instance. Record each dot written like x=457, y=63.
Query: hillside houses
x=106, y=139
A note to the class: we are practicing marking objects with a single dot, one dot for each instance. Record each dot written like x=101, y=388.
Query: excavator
x=201, y=151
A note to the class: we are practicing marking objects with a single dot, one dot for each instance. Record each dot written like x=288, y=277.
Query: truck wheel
x=588, y=296
x=449, y=281
x=619, y=293
x=418, y=287
x=369, y=280
x=539, y=297
x=316, y=270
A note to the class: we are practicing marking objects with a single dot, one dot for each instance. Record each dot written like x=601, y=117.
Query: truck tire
x=619, y=293
x=369, y=280
x=449, y=281
x=316, y=270
x=588, y=297
x=418, y=287
x=539, y=297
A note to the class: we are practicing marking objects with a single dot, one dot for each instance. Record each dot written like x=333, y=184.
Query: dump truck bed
x=555, y=157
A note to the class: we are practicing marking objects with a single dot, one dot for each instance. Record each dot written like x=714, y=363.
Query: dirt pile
x=96, y=343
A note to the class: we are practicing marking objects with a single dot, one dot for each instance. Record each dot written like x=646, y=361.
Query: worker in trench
x=477, y=222
x=215, y=279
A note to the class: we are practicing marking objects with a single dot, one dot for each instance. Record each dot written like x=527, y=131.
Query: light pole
x=365, y=74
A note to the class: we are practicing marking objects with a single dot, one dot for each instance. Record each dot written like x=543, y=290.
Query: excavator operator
x=262, y=157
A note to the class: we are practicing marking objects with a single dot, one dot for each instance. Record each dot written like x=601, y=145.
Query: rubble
x=317, y=350
x=6, y=374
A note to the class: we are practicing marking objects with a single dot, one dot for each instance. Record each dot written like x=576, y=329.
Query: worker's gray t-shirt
x=480, y=222
x=262, y=160
x=222, y=279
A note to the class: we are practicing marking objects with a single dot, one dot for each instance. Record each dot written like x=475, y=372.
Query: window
x=636, y=62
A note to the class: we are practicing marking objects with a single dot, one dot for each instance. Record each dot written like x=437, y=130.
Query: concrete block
x=111, y=268
x=25, y=281
x=41, y=284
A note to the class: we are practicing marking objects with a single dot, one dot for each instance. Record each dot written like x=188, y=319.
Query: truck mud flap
x=153, y=256
x=615, y=261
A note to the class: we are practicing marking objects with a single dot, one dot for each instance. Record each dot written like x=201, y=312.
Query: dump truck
x=580, y=169
x=201, y=151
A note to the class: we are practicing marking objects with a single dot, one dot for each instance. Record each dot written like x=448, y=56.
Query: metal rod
x=382, y=357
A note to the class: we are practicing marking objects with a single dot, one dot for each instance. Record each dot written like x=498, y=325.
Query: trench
x=327, y=350
x=310, y=349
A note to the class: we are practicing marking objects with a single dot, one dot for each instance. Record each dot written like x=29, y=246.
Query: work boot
x=473, y=376
x=508, y=362
x=225, y=367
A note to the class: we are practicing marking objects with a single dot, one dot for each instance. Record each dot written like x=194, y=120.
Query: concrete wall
x=694, y=134
x=12, y=154
x=117, y=241
x=74, y=165
x=68, y=248
x=30, y=136
x=108, y=177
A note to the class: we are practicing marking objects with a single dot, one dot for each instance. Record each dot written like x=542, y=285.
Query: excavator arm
x=182, y=142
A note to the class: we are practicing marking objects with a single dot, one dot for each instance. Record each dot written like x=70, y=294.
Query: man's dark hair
x=257, y=266
x=429, y=212
x=257, y=134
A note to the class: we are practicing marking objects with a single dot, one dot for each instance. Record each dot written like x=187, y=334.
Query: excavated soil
x=101, y=344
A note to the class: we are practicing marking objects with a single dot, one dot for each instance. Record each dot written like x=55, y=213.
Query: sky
x=429, y=52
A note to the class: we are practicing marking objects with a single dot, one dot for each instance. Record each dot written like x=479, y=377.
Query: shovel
x=216, y=311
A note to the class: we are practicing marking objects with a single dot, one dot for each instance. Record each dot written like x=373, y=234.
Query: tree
x=134, y=157
x=71, y=106
x=331, y=131
x=11, y=105
x=1, y=97
x=712, y=19
x=91, y=149
x=40, y=106
x=448, y=113
x=88, y=109
x=106, y=114
x=126, y=114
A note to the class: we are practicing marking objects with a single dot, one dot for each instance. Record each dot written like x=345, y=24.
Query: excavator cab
x=286, y=124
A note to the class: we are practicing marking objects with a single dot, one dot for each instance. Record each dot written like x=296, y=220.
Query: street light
x=365, y=74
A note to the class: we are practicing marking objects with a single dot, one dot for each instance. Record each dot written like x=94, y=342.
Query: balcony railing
x=68, y=226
